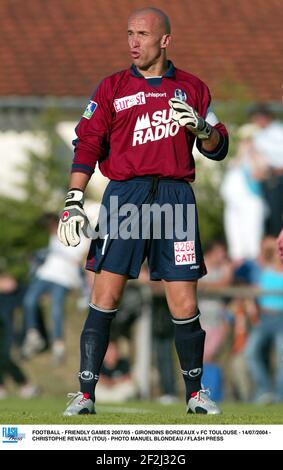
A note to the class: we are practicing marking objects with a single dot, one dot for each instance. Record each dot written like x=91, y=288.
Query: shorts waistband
x=156, y=179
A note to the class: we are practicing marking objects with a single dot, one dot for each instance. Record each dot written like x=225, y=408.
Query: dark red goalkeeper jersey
x=127, y=127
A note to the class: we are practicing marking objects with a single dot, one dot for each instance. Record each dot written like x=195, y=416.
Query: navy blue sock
x=189, y=341
x=94, y=343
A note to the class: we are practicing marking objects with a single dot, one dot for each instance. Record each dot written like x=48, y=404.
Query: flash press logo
x=11, y=435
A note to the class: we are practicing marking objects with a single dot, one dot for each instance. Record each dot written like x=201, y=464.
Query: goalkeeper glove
x=72, y=219
x=185, y=115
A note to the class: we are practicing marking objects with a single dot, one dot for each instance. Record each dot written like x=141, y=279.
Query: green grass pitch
x=46, y=410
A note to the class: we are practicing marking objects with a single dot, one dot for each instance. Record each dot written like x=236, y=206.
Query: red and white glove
x=72, y=219
x=187, y=116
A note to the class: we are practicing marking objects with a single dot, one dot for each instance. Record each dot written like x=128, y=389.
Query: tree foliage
x=44, y=183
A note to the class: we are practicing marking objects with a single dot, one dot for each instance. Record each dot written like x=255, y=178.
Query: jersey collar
x=170, y=72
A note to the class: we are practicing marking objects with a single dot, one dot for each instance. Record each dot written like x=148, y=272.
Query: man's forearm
x=79, y=180
x=211, y=143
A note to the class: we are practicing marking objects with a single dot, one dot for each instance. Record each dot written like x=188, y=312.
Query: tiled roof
x=64, y=47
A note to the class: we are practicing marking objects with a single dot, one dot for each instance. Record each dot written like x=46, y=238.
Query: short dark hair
x=260, y=108
x=46, y=219
x=211, y=244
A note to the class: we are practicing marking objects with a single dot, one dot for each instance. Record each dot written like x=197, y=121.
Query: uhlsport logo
x=195, y=372
x=159, y=126
x=11, y=435
x=86, y=375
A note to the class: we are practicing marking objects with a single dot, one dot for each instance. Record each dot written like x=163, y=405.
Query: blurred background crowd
x=50, y=62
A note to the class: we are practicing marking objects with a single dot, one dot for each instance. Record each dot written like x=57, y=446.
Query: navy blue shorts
x=130, y=234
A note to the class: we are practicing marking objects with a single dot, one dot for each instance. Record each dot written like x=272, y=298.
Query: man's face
x=147, y=39
x=261, y=120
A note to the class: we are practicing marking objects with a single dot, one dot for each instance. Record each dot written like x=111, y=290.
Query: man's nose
x=134, y=41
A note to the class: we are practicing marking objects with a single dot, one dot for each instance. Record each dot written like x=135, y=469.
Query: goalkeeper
x=140, y=127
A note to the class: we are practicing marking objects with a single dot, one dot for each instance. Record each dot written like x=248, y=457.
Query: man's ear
x=165, y=41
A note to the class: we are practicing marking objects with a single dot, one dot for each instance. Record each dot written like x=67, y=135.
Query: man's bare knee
x=183, y=308
x=105, y=300
x=182, y=298
x=108, y=289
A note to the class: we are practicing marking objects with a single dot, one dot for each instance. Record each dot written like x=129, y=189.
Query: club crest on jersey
x=91, y=107
x=180, y=94
x=120, y=104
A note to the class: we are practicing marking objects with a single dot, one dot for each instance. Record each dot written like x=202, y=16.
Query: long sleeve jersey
x=127, y=127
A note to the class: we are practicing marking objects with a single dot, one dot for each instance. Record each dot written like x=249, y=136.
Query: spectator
x=8, y=366
x=56, y=275
x=162, y=342
x=116, y=383
x=219, y=275
x=244, y=209
x=162, y=339
x=269, y=330
x=269, y=143
x=241, y=316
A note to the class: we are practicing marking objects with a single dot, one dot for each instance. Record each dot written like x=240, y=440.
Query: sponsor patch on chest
x=184, y=252
x=156, y=127
x=120, y=104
